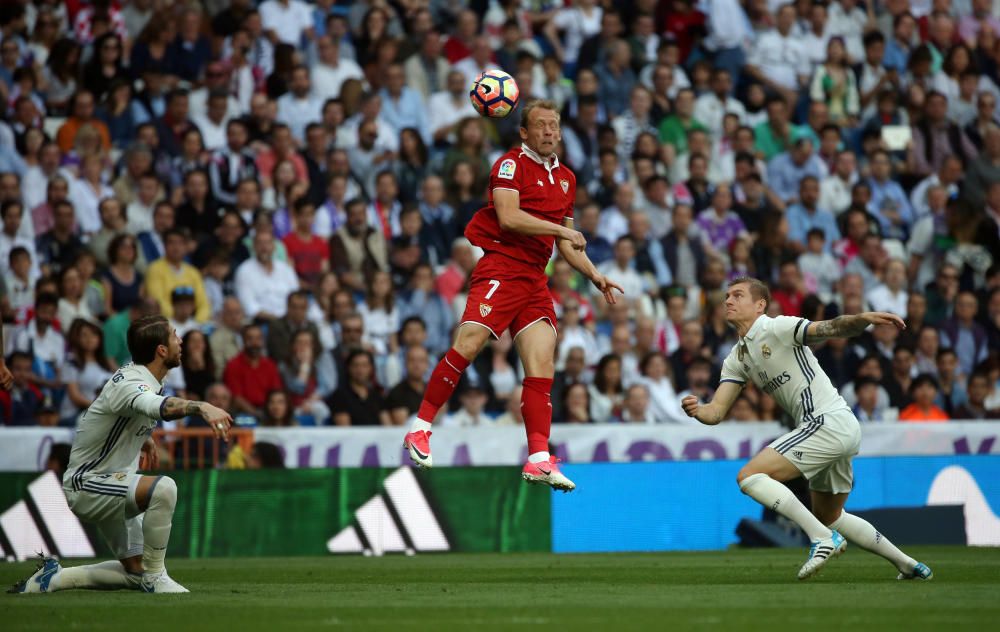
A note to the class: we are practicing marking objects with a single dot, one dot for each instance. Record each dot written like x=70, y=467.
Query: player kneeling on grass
x=530, y=208
x=772, y=353
x=133, y=512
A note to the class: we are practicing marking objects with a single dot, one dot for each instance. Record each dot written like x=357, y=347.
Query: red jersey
x=546, y=192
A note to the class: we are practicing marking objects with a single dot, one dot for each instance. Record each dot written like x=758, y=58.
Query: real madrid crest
x=766, y=351
x=565, y=185
x=484, y=309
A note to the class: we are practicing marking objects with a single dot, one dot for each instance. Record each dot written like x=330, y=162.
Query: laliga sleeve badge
x=143, y=388
x=507, y=168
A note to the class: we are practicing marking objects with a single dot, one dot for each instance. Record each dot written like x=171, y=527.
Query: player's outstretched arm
x=848, y=326
x=579, y=260
x=218, y=419
x=716, y=410
x=508, y=205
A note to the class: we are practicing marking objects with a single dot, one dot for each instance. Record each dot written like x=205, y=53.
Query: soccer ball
x=494, y=93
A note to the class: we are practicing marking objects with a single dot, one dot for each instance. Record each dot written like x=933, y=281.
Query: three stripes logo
x=399, y=520
x=42, y=522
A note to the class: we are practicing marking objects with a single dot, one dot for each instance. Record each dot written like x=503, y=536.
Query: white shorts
x=108, y=501
x=822, y=450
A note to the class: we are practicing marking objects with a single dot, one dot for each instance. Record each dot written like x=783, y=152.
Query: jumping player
x=133, y=512
x=530, y=208
x=772, y=353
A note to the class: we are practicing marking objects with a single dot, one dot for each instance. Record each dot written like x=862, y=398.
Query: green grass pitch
x=730, y=590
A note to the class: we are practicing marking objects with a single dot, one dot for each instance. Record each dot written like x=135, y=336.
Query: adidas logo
x=797, y=454
x=42, y=523
x=399, y=520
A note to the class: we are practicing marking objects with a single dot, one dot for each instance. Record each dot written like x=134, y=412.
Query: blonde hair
x=538, y=104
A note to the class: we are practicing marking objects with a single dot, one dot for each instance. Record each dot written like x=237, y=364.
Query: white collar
x=549, y=163
x=757, y=324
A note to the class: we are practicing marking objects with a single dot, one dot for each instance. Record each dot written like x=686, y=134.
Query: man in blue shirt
x=889, y=203
x=402, y=106
x=898, y=48
x=787, y=169
x=806, y=215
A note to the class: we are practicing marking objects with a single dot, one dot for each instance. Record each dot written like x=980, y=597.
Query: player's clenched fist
x=690, y=406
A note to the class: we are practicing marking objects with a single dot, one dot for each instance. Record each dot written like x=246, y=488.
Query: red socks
x=442, y=384
x=536, y=408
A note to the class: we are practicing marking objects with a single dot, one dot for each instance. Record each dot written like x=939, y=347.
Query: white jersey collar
x=755, y=327
x=549, y=163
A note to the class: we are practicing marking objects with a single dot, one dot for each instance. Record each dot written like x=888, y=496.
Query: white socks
x=538, y=457
x=864, y=534
x=420, y=424
x=104, y=576
x=156, y=525
x=776, y=496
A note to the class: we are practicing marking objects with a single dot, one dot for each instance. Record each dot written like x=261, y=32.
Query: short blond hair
x=538, y=104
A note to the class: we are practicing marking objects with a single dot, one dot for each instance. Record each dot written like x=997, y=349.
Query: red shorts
x=505, y=293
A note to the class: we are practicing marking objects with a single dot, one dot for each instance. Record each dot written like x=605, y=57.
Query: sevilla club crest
x=484, y=309
x=565, y=185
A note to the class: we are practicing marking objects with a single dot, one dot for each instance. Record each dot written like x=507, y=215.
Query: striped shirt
x=774, y=357
x=113, y=429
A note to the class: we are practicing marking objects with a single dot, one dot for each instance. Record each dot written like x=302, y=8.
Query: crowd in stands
x=288, y=182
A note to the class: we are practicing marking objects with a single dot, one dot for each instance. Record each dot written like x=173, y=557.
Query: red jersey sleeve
x=507, y=173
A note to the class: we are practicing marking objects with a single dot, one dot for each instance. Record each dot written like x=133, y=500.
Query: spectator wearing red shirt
x=459, y=45
x=683, y=24
x=251, y=375
x=789, y=293
x=310, y=253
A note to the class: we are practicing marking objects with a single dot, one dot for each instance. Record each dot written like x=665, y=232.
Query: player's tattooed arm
x=848, y=326
x=177, y=408
x=217, y=419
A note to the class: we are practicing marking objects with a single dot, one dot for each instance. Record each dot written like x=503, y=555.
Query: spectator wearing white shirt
x=449, y=107
x=816, y=36
x=386, y=140
x=621, y=269
x=614, y=219
x=217, y=79
x=12, y=213
x=891, y=296
x=34, y=185
x=577, y=23
x=728, y=32
x=402, y=106
x=835, y=189
x=847, y=20
x=948, y=177
x=478, y=62
x=299, y=107
x=472, y=412
x=212, y=124
x=711, y=108
x=287, y=21
x=332, y=70
x=262, y=283
x=140, y=210
x=87, y=191
x=426, y=70
x=779, y=58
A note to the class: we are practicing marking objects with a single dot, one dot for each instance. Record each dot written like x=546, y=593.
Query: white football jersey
x=772, y=356
x=111, y=432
